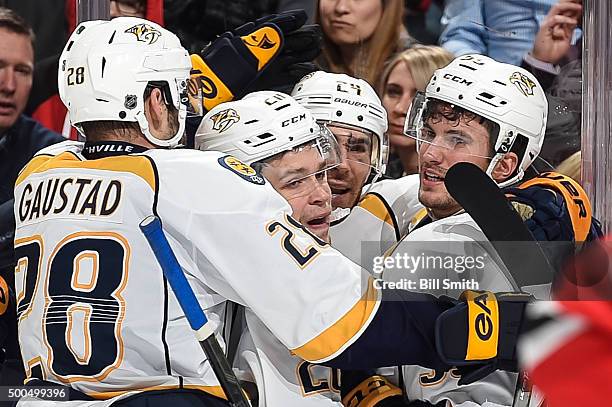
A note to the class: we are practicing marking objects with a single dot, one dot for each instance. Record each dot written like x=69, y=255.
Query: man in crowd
x=20, y=139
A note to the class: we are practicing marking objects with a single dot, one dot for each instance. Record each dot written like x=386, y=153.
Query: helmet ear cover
x=163, y=87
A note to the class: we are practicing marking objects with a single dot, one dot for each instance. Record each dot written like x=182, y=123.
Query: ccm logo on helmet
x=293, y=120
x=350, y=102
x=457, y=79
x=483, y=325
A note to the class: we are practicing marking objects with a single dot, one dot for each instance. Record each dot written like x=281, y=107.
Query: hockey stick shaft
x=152, y=229
x=485, y=202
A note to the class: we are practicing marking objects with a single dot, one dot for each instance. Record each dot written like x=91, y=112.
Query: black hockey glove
x=479, y=335
x=554, y=207
x=226, y=68
x=295, y=61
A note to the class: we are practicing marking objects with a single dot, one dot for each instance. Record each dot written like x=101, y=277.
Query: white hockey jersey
x=451, y=239
x=381, y=218
x=94, y=310
x=283, y=379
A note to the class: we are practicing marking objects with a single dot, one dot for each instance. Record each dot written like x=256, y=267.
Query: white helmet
x=507, y=95
x=259, y=126
x=106, y=66
x=341, y=99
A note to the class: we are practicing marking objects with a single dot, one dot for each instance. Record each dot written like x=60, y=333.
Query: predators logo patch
x=523, y=83
x=144, y=33
x=224, y=119
x=241, y=169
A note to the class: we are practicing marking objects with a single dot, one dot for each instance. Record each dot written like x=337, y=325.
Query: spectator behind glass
x=552, y=47
x=502, y=29
x=407, y=73
x=359, y=36
x=16, y=67
x=20, y=139
x=557, y=65
x=128, y=8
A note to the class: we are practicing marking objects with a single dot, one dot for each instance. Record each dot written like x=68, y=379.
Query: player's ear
x=155, y=110
x=505, y=167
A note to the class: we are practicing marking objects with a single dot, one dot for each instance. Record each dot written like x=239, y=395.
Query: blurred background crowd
x=393, y=44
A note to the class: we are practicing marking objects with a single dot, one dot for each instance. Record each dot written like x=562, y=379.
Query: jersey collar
x=102, y=149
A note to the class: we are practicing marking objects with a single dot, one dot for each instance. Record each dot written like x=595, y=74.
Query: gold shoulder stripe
x=32, y=166
x=421, y=213
x=135, y=164
x=330, y=341
x=216, y=391
x=376, y=207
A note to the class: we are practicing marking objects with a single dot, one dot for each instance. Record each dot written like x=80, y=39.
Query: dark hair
x=101, y=129
x=140, y=5
x=437, y=110
x=13, y=22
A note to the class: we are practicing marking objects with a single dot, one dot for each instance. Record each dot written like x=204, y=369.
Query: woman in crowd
x=360, y=36
x=408, y=72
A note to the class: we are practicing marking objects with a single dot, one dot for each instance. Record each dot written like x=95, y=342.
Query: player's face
x=398, y=94
x=16, y=67
x=347, y=179
x=450, y=142
x=299, y=176
x=350, y=22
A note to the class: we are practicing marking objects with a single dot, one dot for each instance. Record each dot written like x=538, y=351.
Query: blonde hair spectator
x=360, y=36
x=571, y=166
x=407, y=73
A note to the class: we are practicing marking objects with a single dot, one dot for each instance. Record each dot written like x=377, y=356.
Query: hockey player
x=273, y=136
x=94, y=310
x=493, y=115
x=380, y=212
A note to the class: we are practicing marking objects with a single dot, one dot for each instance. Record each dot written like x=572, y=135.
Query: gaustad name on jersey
x=62, y=196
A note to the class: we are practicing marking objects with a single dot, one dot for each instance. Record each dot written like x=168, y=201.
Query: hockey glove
x=229, y=64
x=301, y=46
x=366, y=389
x=226, y=68
x=479, y=335
x=293, y=63
x=554, y=207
